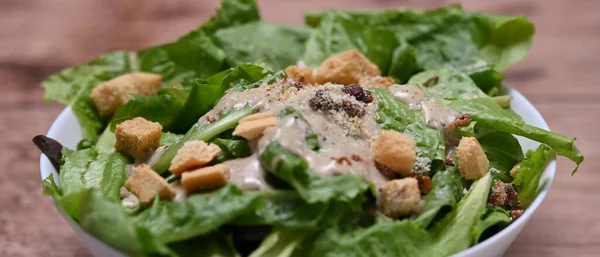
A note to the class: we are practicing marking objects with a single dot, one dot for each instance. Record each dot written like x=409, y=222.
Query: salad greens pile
x=458, y=56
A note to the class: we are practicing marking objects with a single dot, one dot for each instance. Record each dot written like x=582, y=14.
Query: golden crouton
x=113, y=94
x=346, y=68
x=399, y=197
x=472, y=162
x=138, y=136
x=376, y=82
x=515, y=170
x=193, y=154
x=257, y=116
x=395, y=151
x=303, y=75
x=206, y=178
x=145, y=183
x=253, y=126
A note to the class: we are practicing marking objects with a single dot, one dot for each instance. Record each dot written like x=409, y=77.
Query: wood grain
x=41, y=37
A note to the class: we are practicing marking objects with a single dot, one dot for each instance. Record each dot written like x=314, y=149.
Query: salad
x=361, y=133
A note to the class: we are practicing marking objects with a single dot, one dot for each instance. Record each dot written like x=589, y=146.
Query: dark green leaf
x=447, y=190
x=107, y=172
x=490, y=218
x=232, y=149
x=212, y=245
x=280, y=243
x=162, y=108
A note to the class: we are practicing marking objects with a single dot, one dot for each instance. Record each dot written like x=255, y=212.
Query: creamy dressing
x=436, y=114
x=344, y=141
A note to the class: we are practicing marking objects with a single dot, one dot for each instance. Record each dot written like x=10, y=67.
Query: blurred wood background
x=40, y=37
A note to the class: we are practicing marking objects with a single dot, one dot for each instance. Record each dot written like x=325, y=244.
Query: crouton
x=145, y=183
x=113, y=94
x=303, y=75
x=376, y=82
x=257, y=116
x=346, y=68
x=395, y=151
x=138, y=136
x=193, y=154
x=206, y=178
x=253, y=126
x=472, y=162
x=399, y=197
x=515, y=170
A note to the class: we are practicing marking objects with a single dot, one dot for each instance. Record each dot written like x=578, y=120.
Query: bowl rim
x=46, y=168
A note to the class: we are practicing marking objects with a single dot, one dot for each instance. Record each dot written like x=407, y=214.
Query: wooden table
x=41, y=37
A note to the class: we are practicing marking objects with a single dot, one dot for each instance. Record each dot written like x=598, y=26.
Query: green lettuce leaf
x=398, y=239
x=107, y=173
x=232, y=149
x=162, y=108
x=287, y=209
x=73, y=86
x=83, y=170
x=212, y=245
x=528, y=177
x=503, y=152
x=452, y=233
x=276, y=45
x=198, y=215
x=490, y=115
x=313, y=188
x=447, y=83
x=447, y=190
x=337, y=34
x=396, y=115
x=208, y=91
x=280, y=243
x=449, y=36
x=312, y=138
x=168, y=138
x=204, y=132
x=491, y=219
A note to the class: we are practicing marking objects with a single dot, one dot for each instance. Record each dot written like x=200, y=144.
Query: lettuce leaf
x=452, y=233
x=447, y=83
x=207, y=92
x=73, y=86
x=280, y=243
x=396, y=115
x=313, y=188
x=490, y=115
x=337, y=34
x=276, y=45
x=491, y=219
x=449, y=36
x=231, y=149
x=198, y=215
x=83, y=170
x=528, y=177
x=193, y=56
x=287, y=209
x=162, y=108
x=446, y=192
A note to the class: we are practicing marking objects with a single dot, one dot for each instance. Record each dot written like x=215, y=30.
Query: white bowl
x=67, y=131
